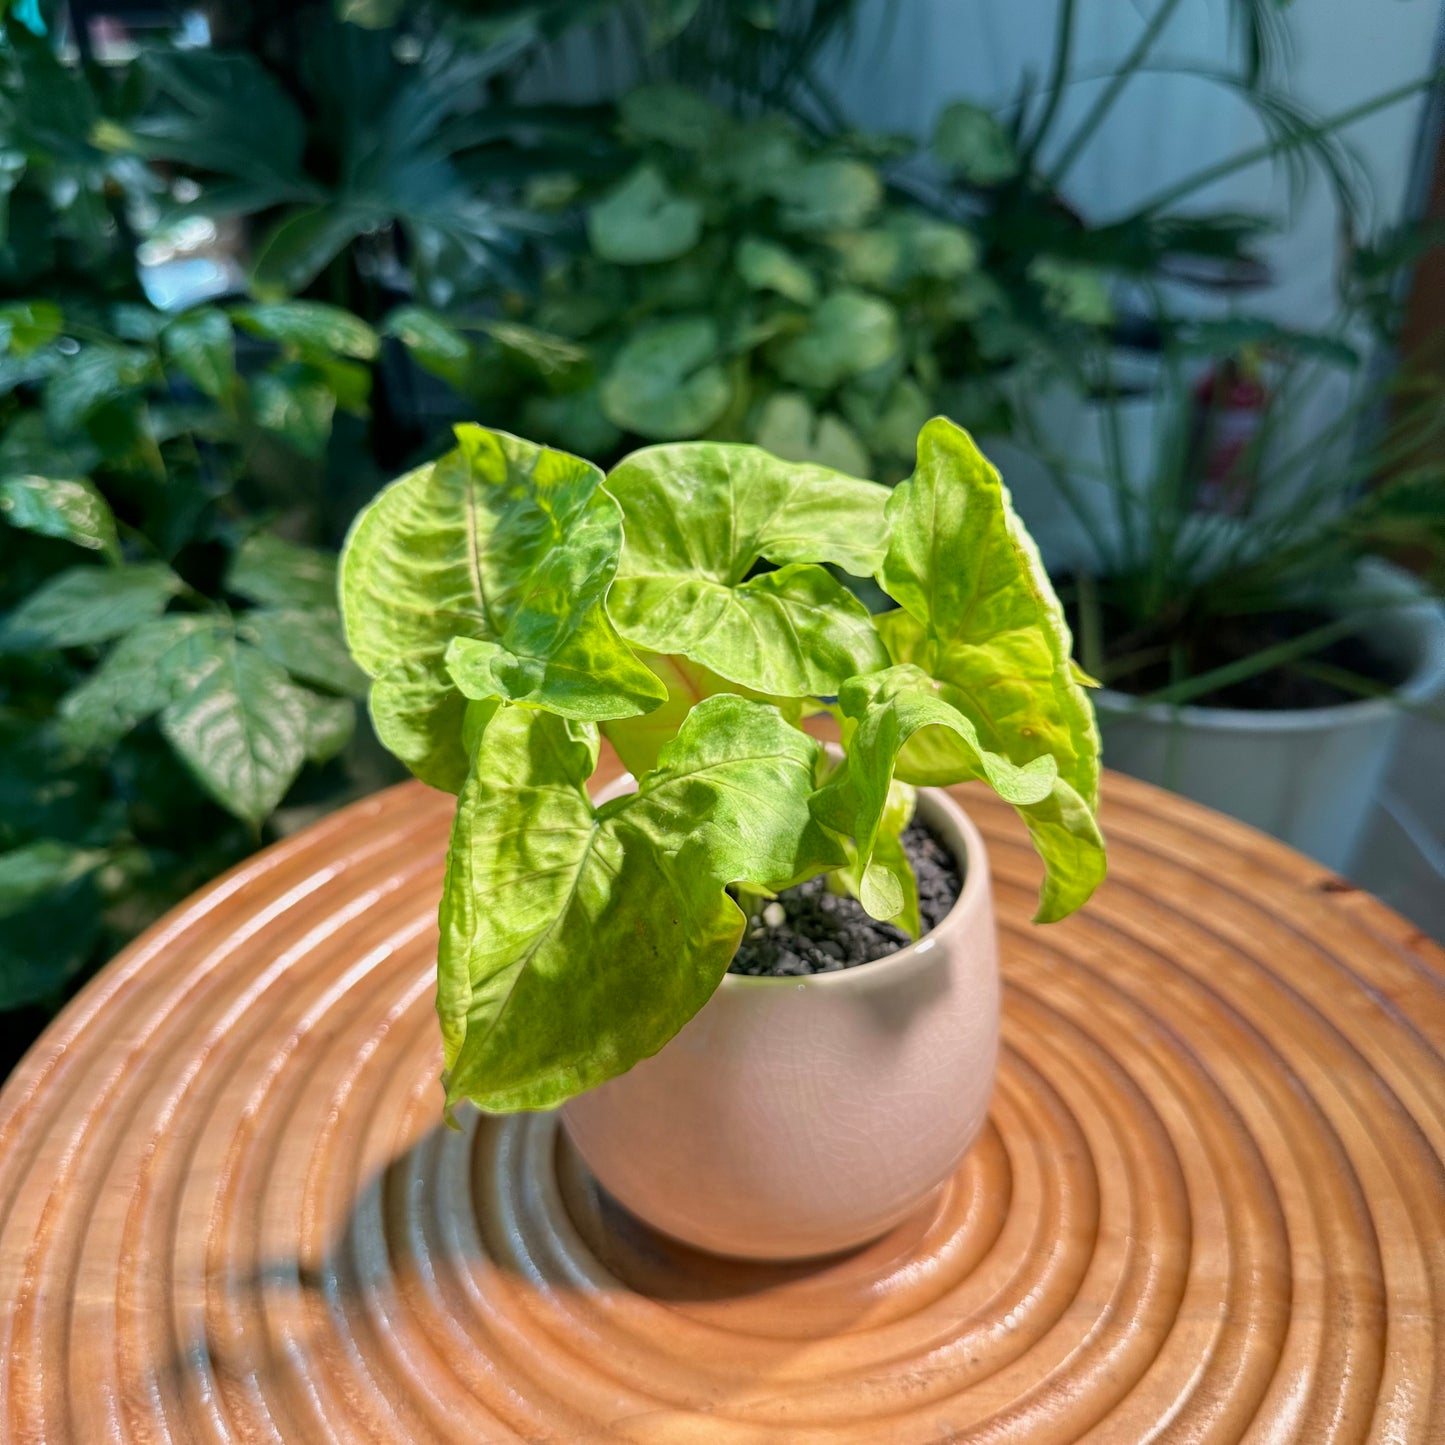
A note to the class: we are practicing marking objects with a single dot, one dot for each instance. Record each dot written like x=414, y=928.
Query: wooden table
x=1210, y=1204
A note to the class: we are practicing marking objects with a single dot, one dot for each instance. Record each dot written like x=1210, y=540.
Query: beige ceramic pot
x=795, y=1117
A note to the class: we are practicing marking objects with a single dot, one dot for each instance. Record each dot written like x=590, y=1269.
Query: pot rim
x=1426, y=680
x=964, y=841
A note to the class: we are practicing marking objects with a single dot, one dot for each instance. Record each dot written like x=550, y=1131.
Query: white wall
x=910, y=57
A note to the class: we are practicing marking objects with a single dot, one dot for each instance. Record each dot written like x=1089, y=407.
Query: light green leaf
x=790, y=428
x=311, y=327
x=617, y=927
x=828, y=195
x=295, y=402
x=698, y=517
x=436, y=345
x=370, y=14
x=202, y=346
x=769, y=267
x=980, y=615
x=70, y=508
x=901, y=714
x=639, y=740
x=795, y=632
x=673, y=115
x=29, y=872
x=974, y=144
x=308, y=643
x=242, y=733
x=500, y=542
x=666, y=381
x=848, y=334
x=88, y=604
x=277, y=573
x=418, y=714
x=641, y=220
x=151, y=666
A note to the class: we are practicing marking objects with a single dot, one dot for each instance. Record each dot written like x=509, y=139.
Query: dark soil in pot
x=819, y=932
x=1232, y=639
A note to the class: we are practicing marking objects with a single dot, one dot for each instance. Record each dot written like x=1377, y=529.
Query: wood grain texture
x=1209, y=1206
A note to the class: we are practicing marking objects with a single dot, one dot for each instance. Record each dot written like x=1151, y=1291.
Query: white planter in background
x=1308, y=776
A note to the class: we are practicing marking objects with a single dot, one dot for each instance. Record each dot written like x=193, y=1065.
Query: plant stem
x=1058, y=78
x=1268, y=150
x=1091, y=625
x=1102, y=106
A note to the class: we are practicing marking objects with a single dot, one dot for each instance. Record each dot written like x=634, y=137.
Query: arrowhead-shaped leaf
x=849, y=333
x=978, y=612
x=501, y=543
x=576, y=940
x=901, y=721
x=699, y=517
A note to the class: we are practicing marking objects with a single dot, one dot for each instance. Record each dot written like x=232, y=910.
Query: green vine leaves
x=511, y=604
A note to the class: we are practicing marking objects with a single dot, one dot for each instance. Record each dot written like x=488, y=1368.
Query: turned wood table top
x=1210, y=1203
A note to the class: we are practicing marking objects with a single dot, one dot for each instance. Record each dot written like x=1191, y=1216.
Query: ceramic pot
x=800, y=1116
x=1306, y=775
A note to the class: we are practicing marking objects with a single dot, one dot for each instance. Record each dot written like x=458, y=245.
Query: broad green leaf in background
x=295, y=402
x=436, y=345
x=302, y=245
x=88, y=604
x=202, y=347
x=91, y=379
x=617, y=927
x=642, y=220
x=308, y=643
x=789, y=428
x=330, y=723
x=766, y=266
x=1073, y=292
x=978, y=613
x=673, y=115
x=849, y=333
x=277, y=573
x=70, y=508
x=35, y=869
x=150, y=666
x=553, y=359
x=243, y=731
x=311, y=327
x=828, y=195
x=974, y=144
x=27, y=326
x=573, y=421
x=666, y=381
x=699, y=516
x=503, y=543
x=901, y=710
x=888, y=421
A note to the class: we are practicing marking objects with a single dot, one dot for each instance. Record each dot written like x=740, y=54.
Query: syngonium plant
x=513, y=606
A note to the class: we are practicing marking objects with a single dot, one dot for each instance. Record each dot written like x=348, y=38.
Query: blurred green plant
x=169, y=667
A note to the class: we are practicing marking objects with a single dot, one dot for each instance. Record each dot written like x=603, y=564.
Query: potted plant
x=1257, y=644
x=513, y=607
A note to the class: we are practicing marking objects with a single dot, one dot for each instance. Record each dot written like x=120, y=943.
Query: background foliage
x=248, y=273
